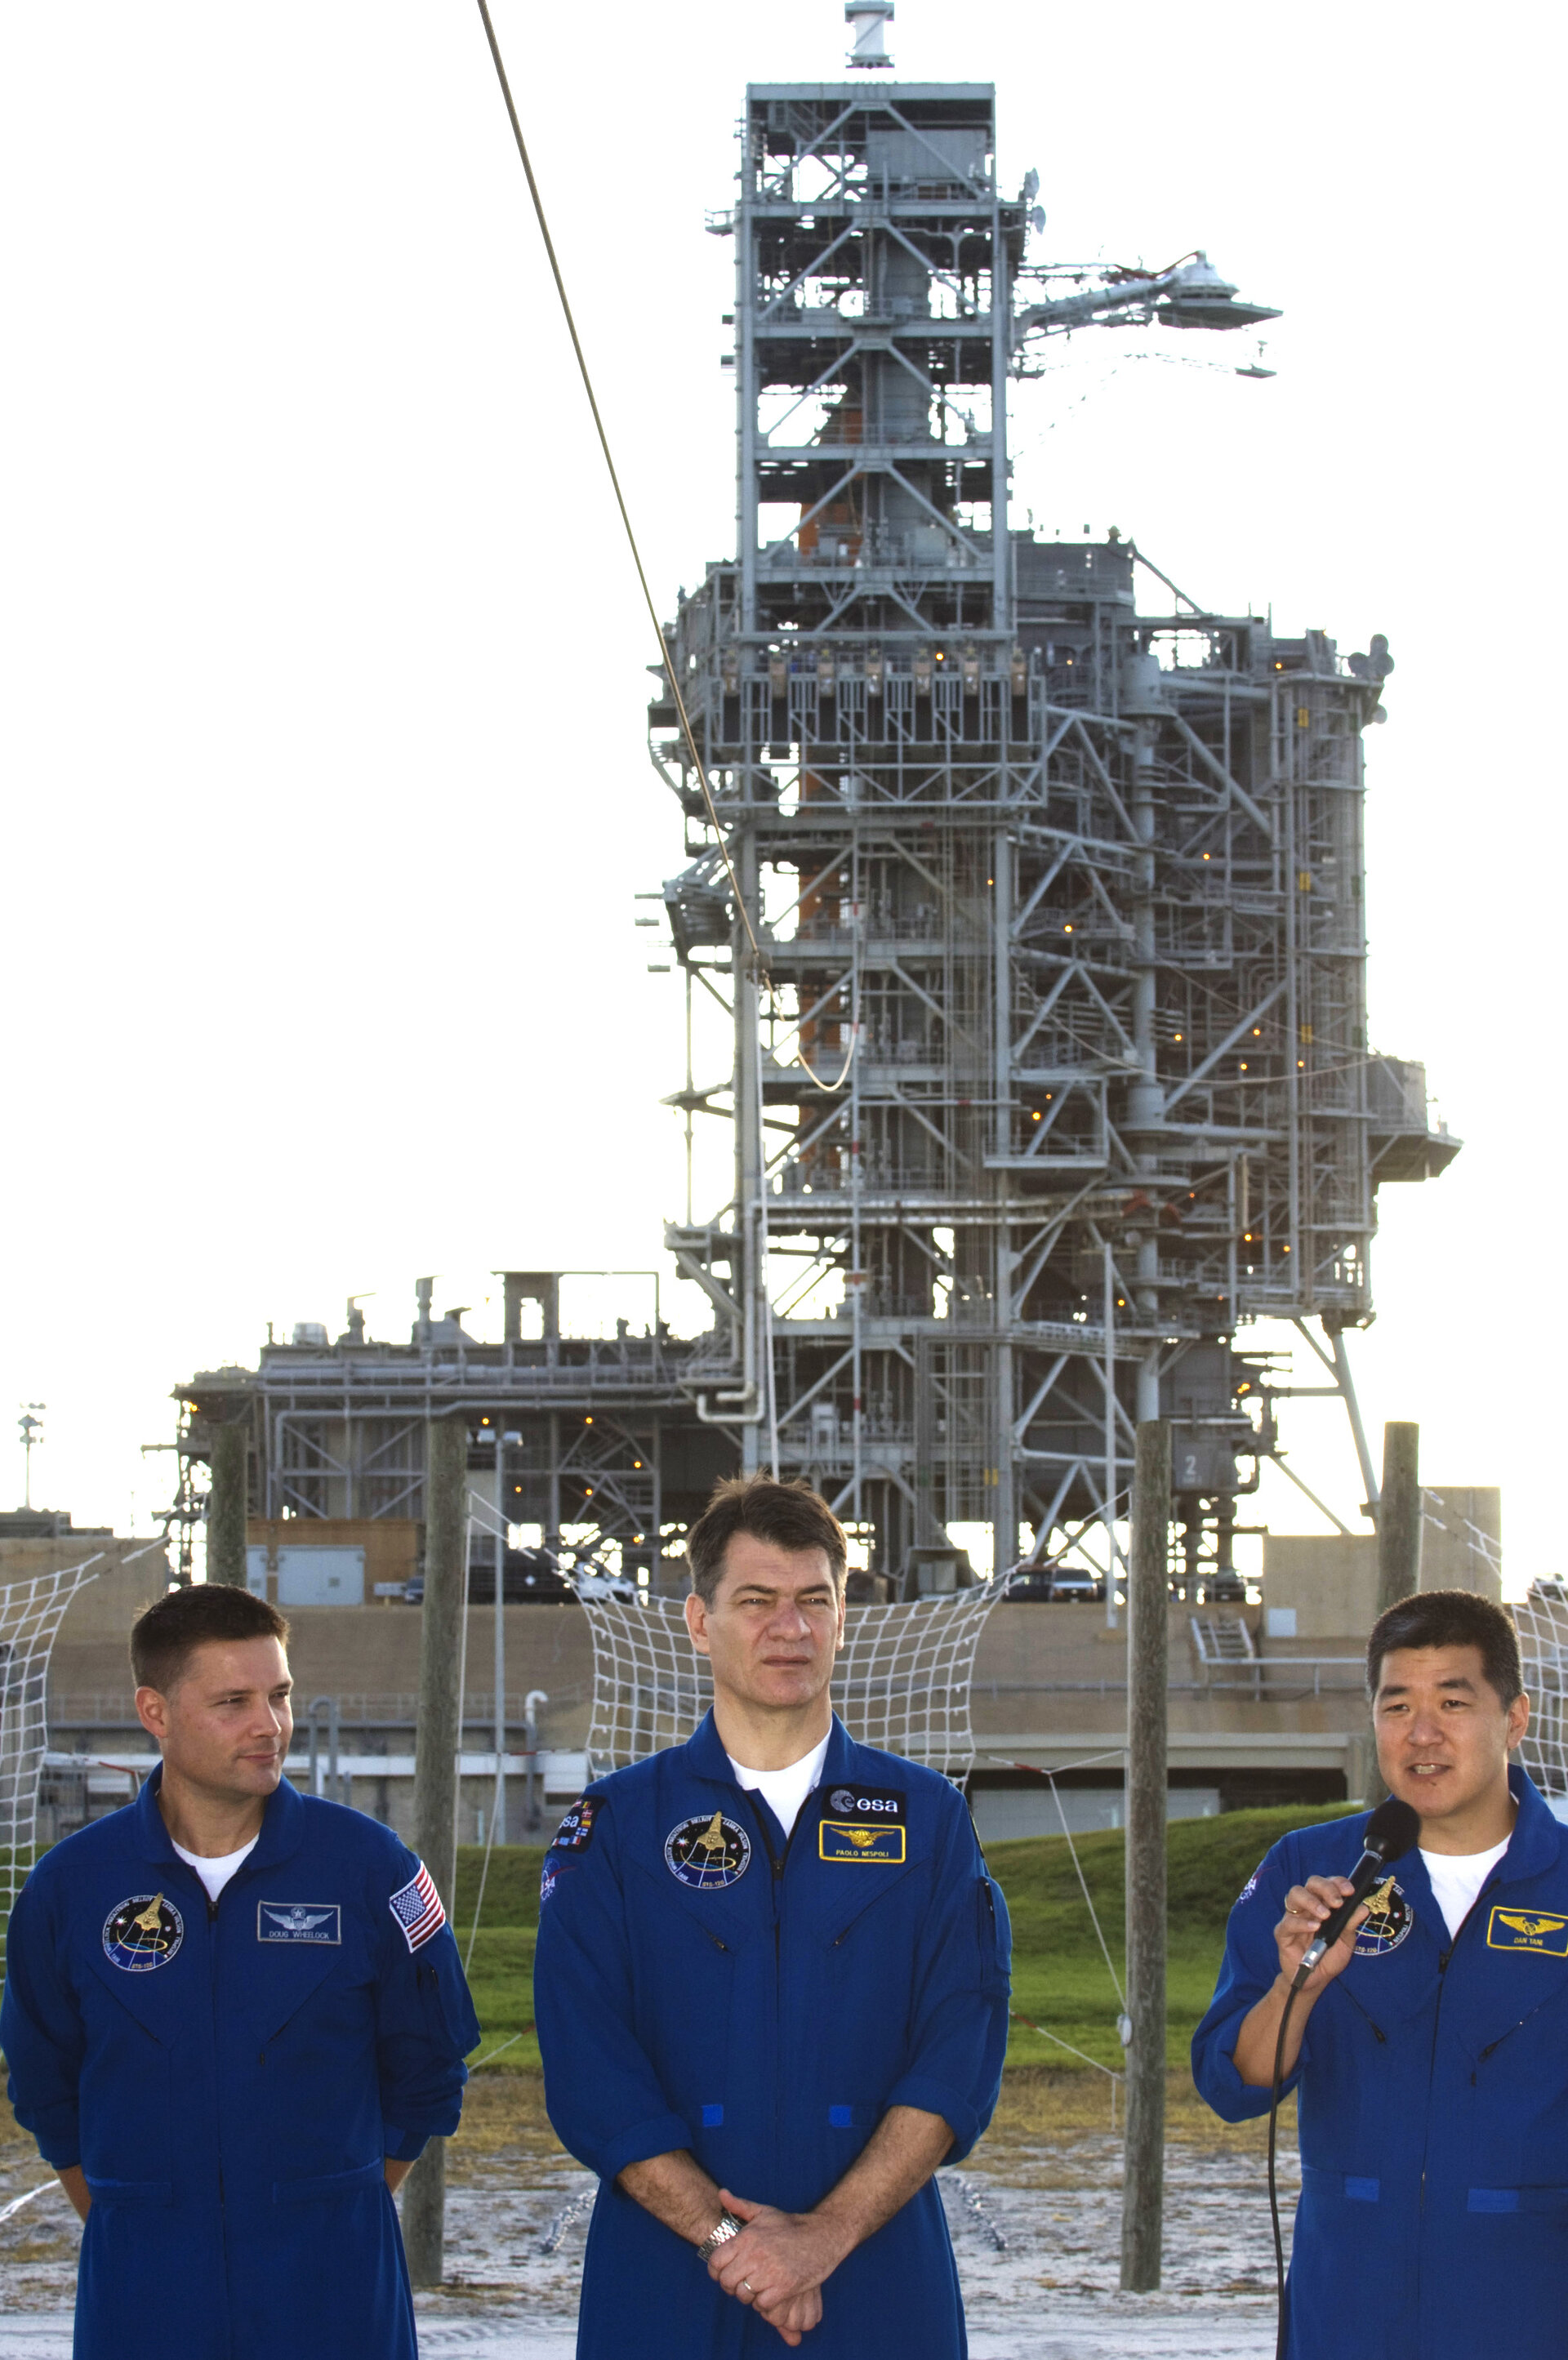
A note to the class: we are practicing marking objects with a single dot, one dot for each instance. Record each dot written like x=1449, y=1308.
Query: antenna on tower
x=867, y=17
x=32, y=1430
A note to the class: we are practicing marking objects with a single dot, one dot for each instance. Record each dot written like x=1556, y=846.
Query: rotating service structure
x=1039, y=917
x=1053, y=1046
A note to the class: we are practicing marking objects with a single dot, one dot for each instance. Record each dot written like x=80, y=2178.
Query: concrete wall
x=91, y=1652
x=1331, y=1582
x=1462, y=1531
x=390, y=1544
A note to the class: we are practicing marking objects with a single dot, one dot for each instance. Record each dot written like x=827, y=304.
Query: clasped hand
x=777, y=2264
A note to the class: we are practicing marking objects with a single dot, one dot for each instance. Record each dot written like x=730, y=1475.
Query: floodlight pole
x=435, y=1772
x=1149, y=1624
x=32, y=1432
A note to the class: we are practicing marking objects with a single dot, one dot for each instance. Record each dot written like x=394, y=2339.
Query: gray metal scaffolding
x=1052, y=1076
x=1056, y=1052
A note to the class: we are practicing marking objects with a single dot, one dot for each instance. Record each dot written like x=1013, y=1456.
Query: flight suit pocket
x=131, y=2191
x=1516, y=2200
x=328, y=2184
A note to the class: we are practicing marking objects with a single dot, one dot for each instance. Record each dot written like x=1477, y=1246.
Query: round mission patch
x=142, y=1933
x=1390, y=1919
x=708, y=1853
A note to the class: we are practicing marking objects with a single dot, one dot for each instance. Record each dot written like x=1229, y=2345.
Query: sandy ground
x=1034, y=2214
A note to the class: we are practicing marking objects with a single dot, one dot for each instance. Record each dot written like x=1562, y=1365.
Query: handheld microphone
x=1391, y=1830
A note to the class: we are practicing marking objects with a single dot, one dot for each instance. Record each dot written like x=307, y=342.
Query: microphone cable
x=1273, y=2184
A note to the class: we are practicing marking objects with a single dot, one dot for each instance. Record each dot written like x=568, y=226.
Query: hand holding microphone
x=1323, y=1909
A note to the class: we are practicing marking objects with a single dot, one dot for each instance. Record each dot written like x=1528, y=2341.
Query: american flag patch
x=418, y=1909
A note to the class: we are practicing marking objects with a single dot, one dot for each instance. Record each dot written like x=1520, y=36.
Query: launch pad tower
x=1050, y=1060
x=1039, y=919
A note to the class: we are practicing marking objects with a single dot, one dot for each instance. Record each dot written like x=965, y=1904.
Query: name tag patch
x=871, y=1806
x=845, y=1841
x=1537, y=1930
x=298, y=1921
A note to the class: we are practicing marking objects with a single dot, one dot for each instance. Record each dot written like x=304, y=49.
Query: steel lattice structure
x=1054, y=1063
x=1056, y=1046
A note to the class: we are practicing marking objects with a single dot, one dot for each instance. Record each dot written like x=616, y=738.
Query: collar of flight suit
x=705, y=1757
x=282, y=1826
x=1536, y=1844
x=1534, y=1849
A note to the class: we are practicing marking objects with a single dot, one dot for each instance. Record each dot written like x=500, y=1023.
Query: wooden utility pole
x=228, y=1505
x=435, y=1775
x=1399, y=1516
x=1398, y=1559
x=1148, y=1601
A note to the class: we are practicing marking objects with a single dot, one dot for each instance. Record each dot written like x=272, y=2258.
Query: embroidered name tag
x=298, y=1921
x=875, y=1807
x=1529, y=1929
x=870, y=1847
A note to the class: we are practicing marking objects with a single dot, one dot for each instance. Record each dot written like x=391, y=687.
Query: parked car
x=1041, y=1585
x=590, y=1580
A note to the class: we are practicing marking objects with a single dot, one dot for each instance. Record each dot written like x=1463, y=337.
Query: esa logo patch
x=576, y=1831
x=298, y=1921
x=1389, y=1921
x=1539, y=1931
x=870, y=1847
x=877, y=1807
x=143, y=1932
x=708, y=1853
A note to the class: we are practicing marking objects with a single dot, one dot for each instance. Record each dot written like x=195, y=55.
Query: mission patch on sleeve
x=576, y=1831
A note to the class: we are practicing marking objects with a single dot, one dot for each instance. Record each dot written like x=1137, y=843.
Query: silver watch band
x=727, y=2227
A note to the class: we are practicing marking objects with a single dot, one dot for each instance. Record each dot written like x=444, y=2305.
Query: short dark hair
x=1449, y=1618
x=791, y=1515
x=167, y=1635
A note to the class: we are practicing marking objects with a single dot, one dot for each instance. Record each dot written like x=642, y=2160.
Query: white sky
x=323, y=723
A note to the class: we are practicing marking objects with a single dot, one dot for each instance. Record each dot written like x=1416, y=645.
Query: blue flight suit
x=231, y=2076
x=701, y=1983
x=1433, y=2101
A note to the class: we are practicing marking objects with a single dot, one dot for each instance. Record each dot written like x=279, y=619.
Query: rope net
x=901, y=1682
x=30, y=1615
x=1541, y=1623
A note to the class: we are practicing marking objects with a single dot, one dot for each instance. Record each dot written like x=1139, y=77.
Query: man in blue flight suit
x=1430, y=2049
x=233, y=2017
x=770, y=1987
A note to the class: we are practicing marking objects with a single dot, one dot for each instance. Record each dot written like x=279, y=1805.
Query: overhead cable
x=666, y=663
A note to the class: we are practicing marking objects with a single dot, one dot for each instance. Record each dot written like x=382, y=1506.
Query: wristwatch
x=727, y=2227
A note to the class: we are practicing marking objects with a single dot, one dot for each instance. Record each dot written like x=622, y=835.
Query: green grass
x=1059, y=1975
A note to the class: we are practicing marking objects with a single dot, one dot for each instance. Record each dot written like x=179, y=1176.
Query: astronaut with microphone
x=1406, y=1972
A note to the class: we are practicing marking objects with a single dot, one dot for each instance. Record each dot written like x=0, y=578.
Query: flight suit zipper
x=776, y=1860
x=217, y=2068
